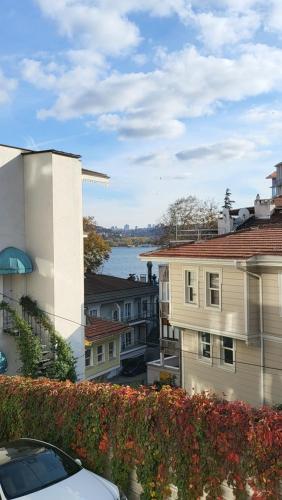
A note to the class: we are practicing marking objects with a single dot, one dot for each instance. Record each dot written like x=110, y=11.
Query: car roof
x=13, y=450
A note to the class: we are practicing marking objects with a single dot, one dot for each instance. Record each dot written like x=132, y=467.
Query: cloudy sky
x=168, y=97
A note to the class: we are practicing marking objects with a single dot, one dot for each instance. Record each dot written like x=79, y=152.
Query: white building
x=41, y=240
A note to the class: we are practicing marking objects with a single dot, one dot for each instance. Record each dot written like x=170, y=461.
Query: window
x=227, y=351
x=127, y=340
x=169, y=332
x=93, y=312
x=213, y=290
x=116, y=315
x=127, y=310
x=112, y=350
x=190, y=287
x=88, y=357
x=100, y=354
x=164, y=283
x=205, y=346
x=144, y=308
x=30, y=473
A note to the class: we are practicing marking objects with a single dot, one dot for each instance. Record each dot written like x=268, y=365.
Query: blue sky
x=168, y=97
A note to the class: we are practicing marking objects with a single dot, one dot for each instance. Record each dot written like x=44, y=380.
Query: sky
x=170, y=98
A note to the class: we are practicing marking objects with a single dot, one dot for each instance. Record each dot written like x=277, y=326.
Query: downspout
x=257, y=276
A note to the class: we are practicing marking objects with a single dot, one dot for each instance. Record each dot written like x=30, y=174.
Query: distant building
x=264, y=211
x=126, y=227
x=131, y=302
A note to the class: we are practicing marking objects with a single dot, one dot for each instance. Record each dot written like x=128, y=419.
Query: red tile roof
x=240, y=245
x=273, y=175
x=100, y=328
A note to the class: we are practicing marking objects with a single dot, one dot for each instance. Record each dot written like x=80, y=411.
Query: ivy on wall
x=29, y=346
x=194, y=442
x=63, y=365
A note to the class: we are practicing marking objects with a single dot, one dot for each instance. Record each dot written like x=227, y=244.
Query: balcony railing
x=143, y=316
x=169, y=346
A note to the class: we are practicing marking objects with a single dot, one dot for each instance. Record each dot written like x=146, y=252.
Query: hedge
x=193, y=442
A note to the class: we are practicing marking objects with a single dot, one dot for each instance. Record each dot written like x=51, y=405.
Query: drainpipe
x=257, y=276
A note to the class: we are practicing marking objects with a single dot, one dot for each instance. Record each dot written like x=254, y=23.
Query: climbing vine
x=63, y=365
x=28, y=344
x=193, y=442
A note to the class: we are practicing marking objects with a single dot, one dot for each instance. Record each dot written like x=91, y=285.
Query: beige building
x=41, y=240
x=102, y=347
x=221, y=315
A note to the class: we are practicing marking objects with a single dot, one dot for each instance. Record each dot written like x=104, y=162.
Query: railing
x=142, y=316
x=169, y=346
x=134, y=345
x=194, y=234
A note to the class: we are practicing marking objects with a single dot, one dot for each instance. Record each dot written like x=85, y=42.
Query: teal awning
x=14, y=261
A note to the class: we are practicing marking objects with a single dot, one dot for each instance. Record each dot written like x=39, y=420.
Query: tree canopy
x=96, y=249
x=227, y=202
x=189, y=213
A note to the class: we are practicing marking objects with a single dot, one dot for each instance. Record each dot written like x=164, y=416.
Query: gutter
x=238, y=266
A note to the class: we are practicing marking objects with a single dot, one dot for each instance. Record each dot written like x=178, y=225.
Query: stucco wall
x=107, y=365
x=11, y=198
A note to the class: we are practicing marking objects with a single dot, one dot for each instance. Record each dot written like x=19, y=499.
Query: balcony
x=141, y=317
x=170, y=347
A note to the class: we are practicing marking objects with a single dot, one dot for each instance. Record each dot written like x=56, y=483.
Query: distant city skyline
x=169, y=98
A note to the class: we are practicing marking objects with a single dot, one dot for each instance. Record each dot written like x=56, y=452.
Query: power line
x=151, y=344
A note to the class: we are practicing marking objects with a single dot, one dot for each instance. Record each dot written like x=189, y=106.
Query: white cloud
x=7, y=85
x=185, y=85
x=228, y=150
x=217, y=31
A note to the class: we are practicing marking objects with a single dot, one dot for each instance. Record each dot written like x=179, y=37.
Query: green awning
x=14, y=261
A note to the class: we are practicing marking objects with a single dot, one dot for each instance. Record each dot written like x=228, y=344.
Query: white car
x=35, y=470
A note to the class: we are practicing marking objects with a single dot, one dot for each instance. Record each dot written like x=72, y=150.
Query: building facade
x=41, y=204
x=221, y=309
x=102, y=348
x=125, y=300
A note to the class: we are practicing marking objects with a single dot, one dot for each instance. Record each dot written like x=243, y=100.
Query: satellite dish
x=244, y=214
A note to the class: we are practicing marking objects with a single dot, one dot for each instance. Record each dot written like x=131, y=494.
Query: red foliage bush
x=192, y=442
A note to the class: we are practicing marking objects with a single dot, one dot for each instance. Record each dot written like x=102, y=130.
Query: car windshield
x=32, y=473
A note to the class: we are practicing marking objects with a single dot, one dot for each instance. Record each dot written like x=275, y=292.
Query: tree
x=96, y=248
x=227, y=203
x=189, y=213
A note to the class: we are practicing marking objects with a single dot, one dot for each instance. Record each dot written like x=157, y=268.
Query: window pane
x=227, y=342
x=215, y=297
x=191, y=278
x=26, y=475
x=214, y=280
x=228, y=356
x=206, y=338
x=163, y=273
x=206, y=350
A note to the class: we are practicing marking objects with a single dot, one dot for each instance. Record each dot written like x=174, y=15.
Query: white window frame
x=114, y=350
x=227, y=366
x=208, y=305
x=201, y=343
x=103, y=354
x=164, y=291
x=91, y=310
x=131, y=310
x=90, y=358
x=195, y=302
x=116, y=308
